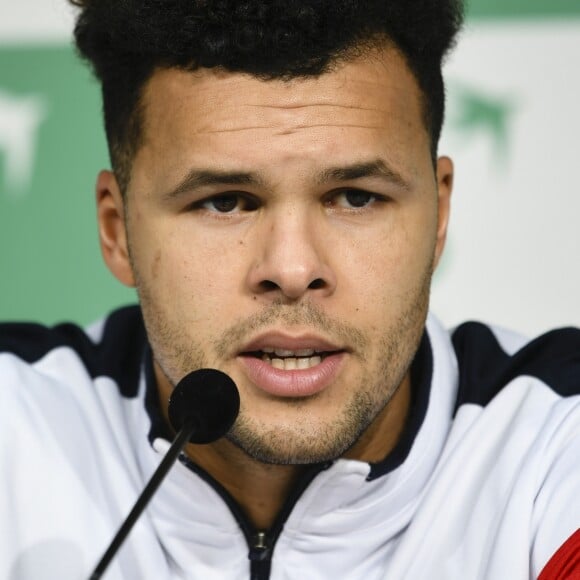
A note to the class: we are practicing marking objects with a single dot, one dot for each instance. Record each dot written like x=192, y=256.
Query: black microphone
x=202, y=408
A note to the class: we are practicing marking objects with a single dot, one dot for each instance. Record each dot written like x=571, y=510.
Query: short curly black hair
x=127, y=40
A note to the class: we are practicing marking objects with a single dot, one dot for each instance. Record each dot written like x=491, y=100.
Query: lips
x=287, y=366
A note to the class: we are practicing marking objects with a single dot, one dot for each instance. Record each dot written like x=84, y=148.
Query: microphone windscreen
x=207, y=397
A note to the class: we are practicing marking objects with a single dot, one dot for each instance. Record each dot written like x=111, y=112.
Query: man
x=277, y=201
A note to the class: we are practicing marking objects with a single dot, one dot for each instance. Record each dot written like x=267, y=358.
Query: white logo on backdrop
x=475, y=113
x=20, y=119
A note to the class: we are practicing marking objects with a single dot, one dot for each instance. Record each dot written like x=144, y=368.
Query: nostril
x=316, y=284
x=269, y=285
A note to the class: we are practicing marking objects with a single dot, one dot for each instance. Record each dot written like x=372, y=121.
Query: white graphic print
x=20, y=121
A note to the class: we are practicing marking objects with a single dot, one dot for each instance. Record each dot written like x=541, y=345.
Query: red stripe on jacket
x=565, y=563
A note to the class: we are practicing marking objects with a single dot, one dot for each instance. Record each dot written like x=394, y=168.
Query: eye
x=354, y=198
x=227, y=203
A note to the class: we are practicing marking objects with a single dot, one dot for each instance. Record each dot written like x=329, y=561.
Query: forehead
x=366, y=102
x=355, y=83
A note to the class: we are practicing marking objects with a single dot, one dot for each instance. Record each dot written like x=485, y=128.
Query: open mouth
x=299, y=367
x=290, y=360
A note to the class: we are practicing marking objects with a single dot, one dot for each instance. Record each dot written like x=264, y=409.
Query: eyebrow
x=197, y=178
x=377, y=168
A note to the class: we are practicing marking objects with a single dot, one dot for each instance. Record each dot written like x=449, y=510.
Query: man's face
x=285, y=233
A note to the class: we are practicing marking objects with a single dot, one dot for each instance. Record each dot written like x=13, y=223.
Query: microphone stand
x=177, y=446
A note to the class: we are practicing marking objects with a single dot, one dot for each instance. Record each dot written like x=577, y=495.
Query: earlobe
x=444, y=188
x=112, y=231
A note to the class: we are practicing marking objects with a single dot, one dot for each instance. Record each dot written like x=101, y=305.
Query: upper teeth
x=289, y=353
x=292, y=363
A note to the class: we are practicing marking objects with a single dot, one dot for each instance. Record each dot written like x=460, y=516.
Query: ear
x=112, y=231
x=444, y=188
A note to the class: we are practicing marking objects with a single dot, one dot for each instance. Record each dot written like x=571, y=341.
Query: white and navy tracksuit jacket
x=484, y=483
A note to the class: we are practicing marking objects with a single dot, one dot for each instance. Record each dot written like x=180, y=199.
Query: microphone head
x=207, y=398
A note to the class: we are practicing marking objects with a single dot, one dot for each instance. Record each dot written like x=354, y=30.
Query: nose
x=292, y=260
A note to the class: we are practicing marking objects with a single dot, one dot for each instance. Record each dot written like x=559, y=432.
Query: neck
x=259, y=489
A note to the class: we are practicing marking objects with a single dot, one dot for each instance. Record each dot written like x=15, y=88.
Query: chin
x=295, y=455
x=302, y=443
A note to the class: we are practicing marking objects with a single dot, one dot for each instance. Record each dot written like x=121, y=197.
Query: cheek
x=189, y=277
x=184, y=276
x=383, y=272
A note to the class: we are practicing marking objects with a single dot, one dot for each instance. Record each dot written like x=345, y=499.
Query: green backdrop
x=522, y=8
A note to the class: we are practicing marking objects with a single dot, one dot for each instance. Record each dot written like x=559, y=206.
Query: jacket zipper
x=260, y=556
x=260, y=543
